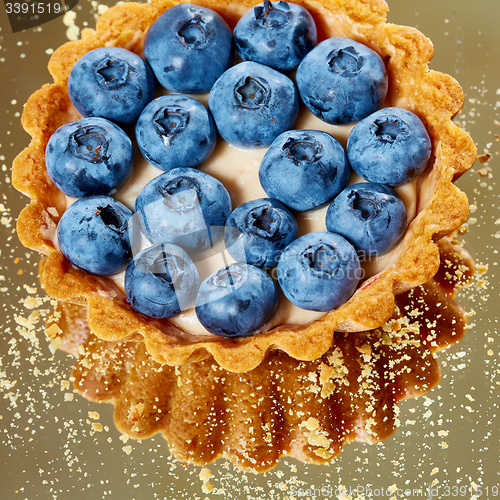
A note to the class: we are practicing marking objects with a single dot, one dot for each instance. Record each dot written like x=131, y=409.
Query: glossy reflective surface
x=59, y=445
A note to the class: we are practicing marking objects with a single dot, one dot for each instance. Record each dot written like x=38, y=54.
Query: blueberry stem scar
x=109, y=217
x=267, y=7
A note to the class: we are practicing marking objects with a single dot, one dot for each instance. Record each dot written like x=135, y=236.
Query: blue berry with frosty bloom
x=175, y=131
x=161, y=281
x=342, y=81
x=236, y=301
x=277, y=34
x=95, y=233
x=252, y=104
x=112, y=83
x=189, y=47
x=370, y=215
x=258, y=231
x=304, y=169
x=391, y=147
x=89, y=156
x=319, y=271
x=185, y=207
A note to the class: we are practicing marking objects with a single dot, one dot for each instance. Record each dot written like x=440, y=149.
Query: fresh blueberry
x=390, y=146
x=89, y=156
x=175, y=131
x=342, y=81
x=185, y=207
x=319, y=271
x=236, y=301
x=94, y=233
x=304, y=169
x=253, y=104
x=161, y=281
x=112, y=83
x=276, y=34
x=189, y=47
x=258, y=231
x=370, y=215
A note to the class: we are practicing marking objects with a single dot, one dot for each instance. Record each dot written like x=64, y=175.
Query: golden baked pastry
x=307, y=410
x=440, y=206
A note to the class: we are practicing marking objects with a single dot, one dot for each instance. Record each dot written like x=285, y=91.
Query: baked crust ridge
x=307, y=410
x=435, y=97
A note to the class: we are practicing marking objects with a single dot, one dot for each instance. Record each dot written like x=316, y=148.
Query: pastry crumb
x=135, y=412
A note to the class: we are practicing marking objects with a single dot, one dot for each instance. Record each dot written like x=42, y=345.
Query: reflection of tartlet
x=440, y=206
x=307, y=410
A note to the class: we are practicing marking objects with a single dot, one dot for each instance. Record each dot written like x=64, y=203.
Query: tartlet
x=307, y=410
x=441, y=206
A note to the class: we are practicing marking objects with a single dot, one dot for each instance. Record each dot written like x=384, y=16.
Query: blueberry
x=304, y=169
x=319, y=271
x=112, y=83
x=94, y=233
x=185, y=207
x=390, y=146
x=175, y=131
x=89, y=156
x=253, y=104
x=161, y=281
x=236, y=301
x=370, y=215
x=276, y=34
x=258, y=231
x=342, y=81
x=189, y=47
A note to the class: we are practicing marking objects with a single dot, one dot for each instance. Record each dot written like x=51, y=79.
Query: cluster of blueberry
x=184, y=211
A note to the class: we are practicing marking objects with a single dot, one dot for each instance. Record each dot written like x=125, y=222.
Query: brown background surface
x=450, y=438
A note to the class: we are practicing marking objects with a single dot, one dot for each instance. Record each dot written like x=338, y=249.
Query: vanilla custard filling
x=238, y=170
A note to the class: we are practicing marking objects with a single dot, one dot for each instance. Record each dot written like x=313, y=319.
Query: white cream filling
x=238, y=170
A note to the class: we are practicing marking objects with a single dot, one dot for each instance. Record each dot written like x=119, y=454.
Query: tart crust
x=307, y=410
x=441, y=207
